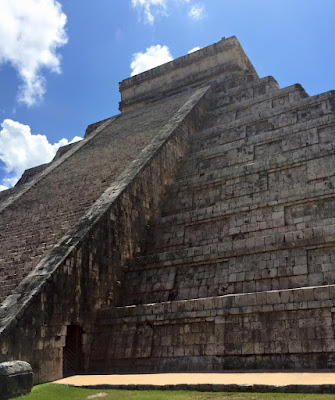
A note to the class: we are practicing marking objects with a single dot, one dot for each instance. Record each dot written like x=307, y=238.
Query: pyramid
x=194, y=231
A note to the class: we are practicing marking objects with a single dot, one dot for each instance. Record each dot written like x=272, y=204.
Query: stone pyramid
x=193, y=232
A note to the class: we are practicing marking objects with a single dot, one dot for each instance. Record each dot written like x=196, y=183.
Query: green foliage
x=52, y=391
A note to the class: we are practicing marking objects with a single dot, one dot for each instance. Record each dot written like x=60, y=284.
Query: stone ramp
x=240, y=381
x=33, y=223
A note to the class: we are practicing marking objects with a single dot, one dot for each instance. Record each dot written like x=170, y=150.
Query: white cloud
x=194, y=49
x=31, y=31
x=8, y=182
x=147, y=5
x=75, y=139
x=196, y=12
x=152, y=8
x=152, y=57
x=20, y=149
x=2, y=187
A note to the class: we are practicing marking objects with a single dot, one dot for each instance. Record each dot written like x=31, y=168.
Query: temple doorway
x=72, y=352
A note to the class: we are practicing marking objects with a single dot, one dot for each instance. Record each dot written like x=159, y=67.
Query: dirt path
x=242, y=378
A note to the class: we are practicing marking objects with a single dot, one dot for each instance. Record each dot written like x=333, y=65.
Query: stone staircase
x=33, y=223
x=238, y=270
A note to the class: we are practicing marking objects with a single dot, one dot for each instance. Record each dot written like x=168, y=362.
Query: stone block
x=16, y=379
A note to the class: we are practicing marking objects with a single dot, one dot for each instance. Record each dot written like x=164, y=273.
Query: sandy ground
x=242, y=378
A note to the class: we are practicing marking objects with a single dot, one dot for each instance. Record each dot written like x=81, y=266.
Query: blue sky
x=61, y=61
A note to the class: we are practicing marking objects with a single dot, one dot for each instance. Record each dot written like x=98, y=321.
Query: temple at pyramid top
x=192, y=70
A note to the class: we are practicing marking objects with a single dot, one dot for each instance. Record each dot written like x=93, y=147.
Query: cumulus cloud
x=20, y=149
x=152, y=57
x=194, y=49
x=151, y=8
x=147, y=7
x=31, y=31
x=196, y=12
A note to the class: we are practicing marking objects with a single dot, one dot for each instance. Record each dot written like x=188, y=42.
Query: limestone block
x=16, y=379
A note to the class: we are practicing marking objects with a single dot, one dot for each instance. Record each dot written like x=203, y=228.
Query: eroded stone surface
x=31, y=226
x=195, y=231
x=251, y=211
x=82, y=273
x=16, y=379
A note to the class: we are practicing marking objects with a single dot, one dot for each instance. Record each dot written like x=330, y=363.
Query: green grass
x=51, y=391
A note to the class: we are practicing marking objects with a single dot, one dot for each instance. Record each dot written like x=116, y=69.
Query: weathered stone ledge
x=213, y=213
x=223, y=88
x=326, y=101
x=244, y=168
x=217, y=251
x=220, y=128
x=211, y=307
x=275, y=94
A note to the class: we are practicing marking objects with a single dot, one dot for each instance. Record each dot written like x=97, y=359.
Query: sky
x=61, y=61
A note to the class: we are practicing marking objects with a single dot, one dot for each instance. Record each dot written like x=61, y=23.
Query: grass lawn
x=50, y=391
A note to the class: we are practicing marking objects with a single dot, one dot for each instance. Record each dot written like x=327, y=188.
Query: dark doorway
x=72, y=353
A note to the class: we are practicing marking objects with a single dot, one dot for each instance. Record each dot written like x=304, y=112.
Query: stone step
x=274, y=99
x=236, y=81
x=242, y=94
x=222, y=161
x=230, y=139
x=290, y=138
x=222, y=305
x=297, y=192
x=298, y=110
x=237, y=85
x=303, y=111
x=224, y=111
x=252, y=90
x=248, y=228
x=259, y=182
x=269, y=328
x=259, y=84
x=262, y=240
x=281, y=269
x=303, y=230
x=263, y=201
